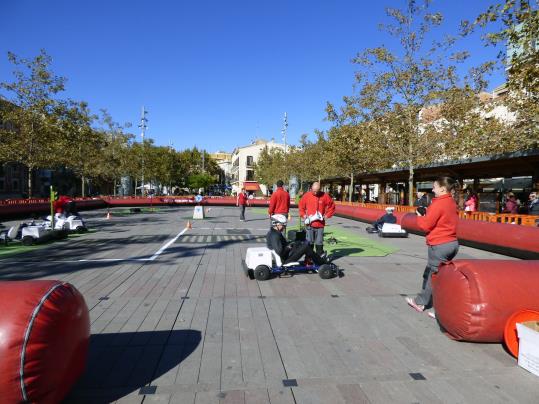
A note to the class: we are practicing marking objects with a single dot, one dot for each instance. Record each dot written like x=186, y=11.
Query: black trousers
x=298, y=250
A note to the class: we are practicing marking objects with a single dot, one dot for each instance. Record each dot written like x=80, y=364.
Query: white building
x=224, y=161
x=243, y=160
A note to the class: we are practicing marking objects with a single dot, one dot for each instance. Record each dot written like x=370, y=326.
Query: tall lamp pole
x=283, y=131
x=143, y=126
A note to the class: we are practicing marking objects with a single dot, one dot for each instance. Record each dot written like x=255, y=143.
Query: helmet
x=278, y=219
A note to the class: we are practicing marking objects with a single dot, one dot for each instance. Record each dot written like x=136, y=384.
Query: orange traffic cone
x=108, y=215
x=189, y=225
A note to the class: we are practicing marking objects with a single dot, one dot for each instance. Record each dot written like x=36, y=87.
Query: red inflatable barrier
x=506, y=236
x=44, y=337
x=473, y=299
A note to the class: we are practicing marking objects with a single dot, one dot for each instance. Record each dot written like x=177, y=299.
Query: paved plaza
x=174, y=320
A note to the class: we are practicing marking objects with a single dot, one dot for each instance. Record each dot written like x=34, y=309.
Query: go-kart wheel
x=27, y=240
x=262, y=273
x=80, y=229
x=326, y=271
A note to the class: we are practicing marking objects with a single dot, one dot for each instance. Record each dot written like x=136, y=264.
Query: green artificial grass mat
x=17, y=248
x=349, y=242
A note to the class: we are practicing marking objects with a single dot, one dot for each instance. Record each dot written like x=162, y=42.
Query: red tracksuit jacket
x=440, y=222
x=279, y=202
x=242, y=199
x=322, y=202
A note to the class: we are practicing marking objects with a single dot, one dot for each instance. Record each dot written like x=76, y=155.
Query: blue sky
x=215, y=74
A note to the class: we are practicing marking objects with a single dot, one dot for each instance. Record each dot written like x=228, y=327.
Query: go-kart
x=72, y=223
x=261, y=263
x=31, y=233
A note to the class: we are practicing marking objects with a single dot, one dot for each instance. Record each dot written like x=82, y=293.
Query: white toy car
x=72, y=223
x=261, y=262
x=392, y=230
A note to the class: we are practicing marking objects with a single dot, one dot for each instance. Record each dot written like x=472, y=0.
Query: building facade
x=224, y=161
x=244, y=160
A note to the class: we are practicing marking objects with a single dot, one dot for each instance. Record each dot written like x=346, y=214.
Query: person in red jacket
x=440, y=225
x=242, y=201
x=279, y=201
x=314, y=208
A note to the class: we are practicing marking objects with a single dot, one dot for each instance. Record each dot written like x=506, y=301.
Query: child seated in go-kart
x=289, y=252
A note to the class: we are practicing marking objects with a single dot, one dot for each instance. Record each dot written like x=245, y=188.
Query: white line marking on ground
x=163, y=248
x=152, y=258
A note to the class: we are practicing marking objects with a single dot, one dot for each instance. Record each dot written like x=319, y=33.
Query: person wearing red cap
x=314, y=208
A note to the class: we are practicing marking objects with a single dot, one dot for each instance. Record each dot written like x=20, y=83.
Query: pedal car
x=30, y=233
x=392, y=230
x=71, y=223
x=261, y=263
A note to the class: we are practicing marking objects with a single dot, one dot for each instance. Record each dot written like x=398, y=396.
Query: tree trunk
x=411, y=185
x=351, y=188
x=83, y=191
x=29, y=182
x=114, y=185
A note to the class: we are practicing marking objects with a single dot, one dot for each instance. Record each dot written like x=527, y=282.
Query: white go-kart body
x=261, y=262
x=392, y=230
x=71, y=223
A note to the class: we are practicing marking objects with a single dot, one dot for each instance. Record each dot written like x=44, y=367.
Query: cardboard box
x=528, y=348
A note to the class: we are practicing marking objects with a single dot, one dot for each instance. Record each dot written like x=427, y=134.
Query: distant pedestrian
x=279, y=202
x=440, y=224
x=511, y=204
x=242, y=201
x=471, y=202
x=533, y=204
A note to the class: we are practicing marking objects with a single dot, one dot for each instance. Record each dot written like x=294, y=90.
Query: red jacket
x=440, y=222
x=242, y=199
x=311, y=203
x=279, y=202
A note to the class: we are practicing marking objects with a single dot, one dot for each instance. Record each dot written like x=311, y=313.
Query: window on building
x=15, y=185
x=250, y=175
x=1, y=170
x=1, y=185
x=250, y=160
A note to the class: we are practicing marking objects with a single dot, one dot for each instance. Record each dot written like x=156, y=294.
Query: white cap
x=390, y=209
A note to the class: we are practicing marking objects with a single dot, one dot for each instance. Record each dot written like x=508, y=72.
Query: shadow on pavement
x=122, y=363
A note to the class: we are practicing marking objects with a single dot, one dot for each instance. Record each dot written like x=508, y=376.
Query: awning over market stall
x=251, y=186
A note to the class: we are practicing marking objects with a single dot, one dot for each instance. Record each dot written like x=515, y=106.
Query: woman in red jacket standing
x=440, y=224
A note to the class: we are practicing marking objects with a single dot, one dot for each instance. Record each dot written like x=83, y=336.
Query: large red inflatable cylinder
x=44, y=337
x=474, y=298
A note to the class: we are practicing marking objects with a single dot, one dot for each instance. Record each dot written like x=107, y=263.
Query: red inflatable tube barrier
x=473, y=299
x=508, y=238
x=44, y=337
x=518, y=241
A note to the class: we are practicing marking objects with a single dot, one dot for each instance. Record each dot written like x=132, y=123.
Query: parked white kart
x=31, y=233
x=71, y=223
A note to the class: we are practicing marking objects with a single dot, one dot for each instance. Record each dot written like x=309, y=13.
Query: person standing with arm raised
x=440, y=225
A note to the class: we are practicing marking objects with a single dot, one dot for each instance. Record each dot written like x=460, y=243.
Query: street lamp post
x=143, y=126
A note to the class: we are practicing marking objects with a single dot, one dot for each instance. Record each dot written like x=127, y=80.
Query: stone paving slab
x=189, y=327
